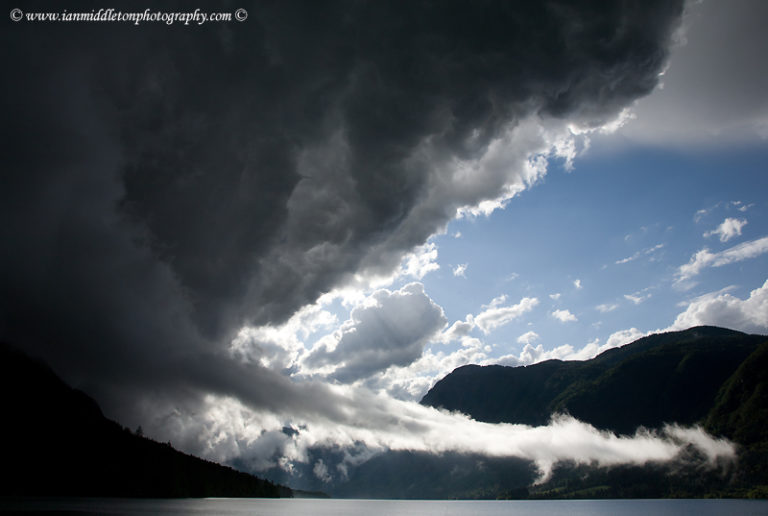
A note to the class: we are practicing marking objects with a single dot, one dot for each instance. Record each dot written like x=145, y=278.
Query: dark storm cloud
x=165, y=184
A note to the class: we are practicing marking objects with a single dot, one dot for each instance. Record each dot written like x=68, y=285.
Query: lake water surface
x=312, y=507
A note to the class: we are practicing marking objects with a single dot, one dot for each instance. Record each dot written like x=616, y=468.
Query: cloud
x=644, y=252
x=577, y=283
x=729, y=229
x=606, y=307
x=555, y=296
x=170, y=220
x=713, y=90
x=725, y=310
x=421, y=261
x=460, y=270
x=495, y=315
x=638, y=297
x=705, y=258
x=391, y=329
x=386, y=424
x=564, y=316
x=528, y=337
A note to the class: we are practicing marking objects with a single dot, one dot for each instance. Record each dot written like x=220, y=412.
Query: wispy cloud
x=638, y=254
x=705, y=258
x=577, y=283
x=606, y=307
x=638, y=297
x=528, y=337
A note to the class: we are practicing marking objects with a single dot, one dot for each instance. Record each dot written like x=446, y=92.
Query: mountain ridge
x=57, y=442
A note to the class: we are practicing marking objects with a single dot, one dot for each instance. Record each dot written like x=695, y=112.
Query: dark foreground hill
x=705, y=375
x=56, y=442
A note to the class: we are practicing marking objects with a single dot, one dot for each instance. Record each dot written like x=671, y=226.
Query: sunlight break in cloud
x=564, y=316
x=705, y=258
x=729, y=229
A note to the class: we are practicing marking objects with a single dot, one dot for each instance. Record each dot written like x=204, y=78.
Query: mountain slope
x=56, y=442
x=664, y=378
x=710, y=376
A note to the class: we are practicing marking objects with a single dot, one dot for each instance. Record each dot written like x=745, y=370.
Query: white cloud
x=742, y=207
x=705, y=258
x=460, y=270
x=226, y=429
x=729, y=229
x=622, y=337
x=495, y=315
x=421, y=261
x=390, y=329
x=528, y=337
x=555, y=296
x=718, y=309
x=564, y=316
x=638, y=254
x=638, y=297
x=700, y=214
x=577, y=283
x=606, y=307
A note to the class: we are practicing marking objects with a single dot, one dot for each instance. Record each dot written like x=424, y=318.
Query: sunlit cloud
x=564, y=316
x=729, y=229
x=705, y=258
x=460, y=270
x=726, y=310
x=497, y=315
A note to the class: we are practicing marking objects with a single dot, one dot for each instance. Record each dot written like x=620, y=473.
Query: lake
x=312, y=507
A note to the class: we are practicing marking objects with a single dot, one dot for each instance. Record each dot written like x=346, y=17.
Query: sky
x=304, y=219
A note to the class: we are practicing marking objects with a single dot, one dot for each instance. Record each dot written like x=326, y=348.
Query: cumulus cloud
x=496, y=315
x=391, y=329
x=528, y=337
x=705, y=258
x=577, y=283
x=729, y=229
x=723, y=309
x=564, y=316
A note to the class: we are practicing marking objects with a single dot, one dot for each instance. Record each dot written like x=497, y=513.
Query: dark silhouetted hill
x=56, y=442
x=664, y=378
x=714, y=377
